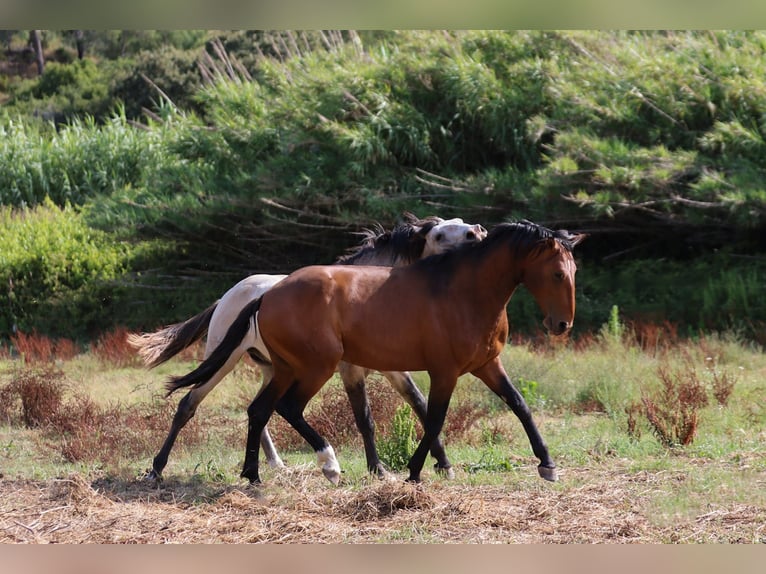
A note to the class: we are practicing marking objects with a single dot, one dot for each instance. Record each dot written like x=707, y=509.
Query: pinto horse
x=411, y=240
x=444, y=314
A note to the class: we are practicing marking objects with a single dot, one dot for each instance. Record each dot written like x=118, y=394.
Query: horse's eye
x=439, y=236
x=559, y=275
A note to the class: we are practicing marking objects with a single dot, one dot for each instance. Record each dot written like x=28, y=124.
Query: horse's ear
x=579, y=238
x=425, y=228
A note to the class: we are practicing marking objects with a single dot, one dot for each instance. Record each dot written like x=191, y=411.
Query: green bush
x=172, y=70
x=55, y=271
x=398, y=446
x=65, y=91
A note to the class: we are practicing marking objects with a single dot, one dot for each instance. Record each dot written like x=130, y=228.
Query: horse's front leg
x=269, y=450
x=291, y=407
x=439, y=396
x=494, y=376
x=410, y=392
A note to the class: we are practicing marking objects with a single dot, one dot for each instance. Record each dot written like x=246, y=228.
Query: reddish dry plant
x=655, y=337
x=80, y=429
x=32, y=396
x=633, y=410
x=113, y=348
x=673, y=410
x=36, y=348
x=461, y=418
x=83, y=430
x=722, y=382
x=331, y=415
x=722, y=385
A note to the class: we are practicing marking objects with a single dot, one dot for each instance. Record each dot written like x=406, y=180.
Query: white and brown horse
x=444, y=314
x=411, y=240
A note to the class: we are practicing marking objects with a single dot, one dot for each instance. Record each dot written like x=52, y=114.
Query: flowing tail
x=156, y=348
x=222, y=352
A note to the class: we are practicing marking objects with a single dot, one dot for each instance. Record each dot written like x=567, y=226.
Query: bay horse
x=409, y=241
x=445, y=314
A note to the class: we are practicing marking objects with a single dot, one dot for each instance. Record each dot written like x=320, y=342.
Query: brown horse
x=445, y=314
x=409, y=241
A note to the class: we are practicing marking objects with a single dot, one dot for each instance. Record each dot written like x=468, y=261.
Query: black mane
x=523, y=237
x=403, y=245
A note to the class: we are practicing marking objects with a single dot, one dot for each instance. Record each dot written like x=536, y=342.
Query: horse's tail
x=217, y=359
x=156, y=348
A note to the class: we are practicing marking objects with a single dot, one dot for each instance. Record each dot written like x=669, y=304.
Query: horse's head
x=450, y=233
x=550, y=277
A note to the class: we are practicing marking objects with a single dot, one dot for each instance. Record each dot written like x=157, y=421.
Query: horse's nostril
x=470, y=235
x=563, y=326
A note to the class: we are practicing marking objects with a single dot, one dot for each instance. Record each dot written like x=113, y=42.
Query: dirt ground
x=298, y=507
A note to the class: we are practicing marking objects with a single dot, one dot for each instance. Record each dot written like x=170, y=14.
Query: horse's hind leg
x=185, y=411
x=353, y=378
x=495, y=377
x=406, y=387
x=291, y=407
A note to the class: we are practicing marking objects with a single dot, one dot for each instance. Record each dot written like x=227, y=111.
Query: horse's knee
x=186, y=409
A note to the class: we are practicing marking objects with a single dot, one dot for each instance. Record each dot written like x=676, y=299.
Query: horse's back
x=233, y=301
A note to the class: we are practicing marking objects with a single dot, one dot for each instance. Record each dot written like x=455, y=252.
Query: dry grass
x=298, y=507
x=614, y=488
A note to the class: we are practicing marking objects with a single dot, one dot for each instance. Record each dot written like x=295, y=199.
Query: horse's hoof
x=251, y=476
x=548, y=473
x=445, y=471
x=384, y=475
x=152, y=476
x=329, y=464
x=275, y=463
x=332, y=474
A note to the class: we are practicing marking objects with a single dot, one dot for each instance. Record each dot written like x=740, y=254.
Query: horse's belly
x=384, y=348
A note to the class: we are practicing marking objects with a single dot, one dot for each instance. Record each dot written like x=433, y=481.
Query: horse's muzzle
x=556, y=328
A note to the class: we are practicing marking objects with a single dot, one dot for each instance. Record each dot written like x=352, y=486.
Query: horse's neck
x=385, y=257
x=496, y=278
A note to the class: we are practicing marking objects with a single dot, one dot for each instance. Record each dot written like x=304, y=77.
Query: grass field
x=657, y=440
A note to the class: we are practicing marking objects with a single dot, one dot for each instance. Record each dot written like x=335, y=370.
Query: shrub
x=396, y=448
x=673, y=409
x=41, y=397
x=65, y=91
x=33, y=396
x=52, y=269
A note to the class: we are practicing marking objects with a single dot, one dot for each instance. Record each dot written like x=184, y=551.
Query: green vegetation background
x=140, y=182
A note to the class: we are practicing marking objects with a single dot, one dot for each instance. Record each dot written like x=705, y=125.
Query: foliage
x=396, y=448
x=529, y=389
x=54, y=270
x=673, y=409
x=164, y=73
x=267, y=148
x=65, y=91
